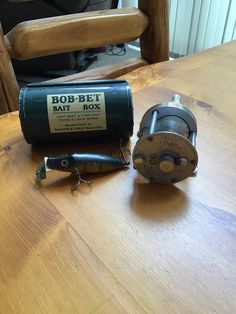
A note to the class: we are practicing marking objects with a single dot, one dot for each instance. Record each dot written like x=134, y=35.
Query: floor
x=114, y=55
x=111, y=55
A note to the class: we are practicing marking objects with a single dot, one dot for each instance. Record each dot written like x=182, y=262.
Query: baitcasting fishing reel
x=166, y=149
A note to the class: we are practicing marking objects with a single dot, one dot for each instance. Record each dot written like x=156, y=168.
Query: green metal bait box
x=57, y=112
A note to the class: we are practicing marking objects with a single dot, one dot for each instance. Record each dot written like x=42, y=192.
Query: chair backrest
x=73, y=32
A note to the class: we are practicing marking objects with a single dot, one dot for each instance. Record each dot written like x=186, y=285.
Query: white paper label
x=76, y=112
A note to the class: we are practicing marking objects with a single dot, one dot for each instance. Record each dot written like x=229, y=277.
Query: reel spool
x=166, y=149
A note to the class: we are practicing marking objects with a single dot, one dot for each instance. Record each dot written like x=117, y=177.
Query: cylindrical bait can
x=56, y=112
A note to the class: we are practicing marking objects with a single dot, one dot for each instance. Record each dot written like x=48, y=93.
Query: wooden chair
x=85, y=30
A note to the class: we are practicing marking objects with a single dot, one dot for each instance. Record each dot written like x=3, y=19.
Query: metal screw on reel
x=166, y=149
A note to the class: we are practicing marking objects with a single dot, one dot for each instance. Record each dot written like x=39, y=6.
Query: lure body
x=80, y=163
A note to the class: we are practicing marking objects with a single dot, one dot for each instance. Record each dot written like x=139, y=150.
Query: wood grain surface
x=9, y=89
x=154, y=42
x=127, y=246
x=74, y=32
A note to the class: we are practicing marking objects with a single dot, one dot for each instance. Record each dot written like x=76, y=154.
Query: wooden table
x=125, y=245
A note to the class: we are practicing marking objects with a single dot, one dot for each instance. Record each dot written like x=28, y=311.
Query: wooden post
x=155, y=40
x=9, y=89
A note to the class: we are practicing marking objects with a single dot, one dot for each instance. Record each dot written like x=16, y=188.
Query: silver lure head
x=42, y=170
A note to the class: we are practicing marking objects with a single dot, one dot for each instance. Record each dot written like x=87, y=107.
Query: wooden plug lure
x=80, y=163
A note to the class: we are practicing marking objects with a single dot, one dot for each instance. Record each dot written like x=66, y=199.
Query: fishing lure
x=80, y=163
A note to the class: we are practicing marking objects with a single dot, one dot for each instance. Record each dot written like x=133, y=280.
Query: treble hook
x=122, y=149
x=77, y=174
